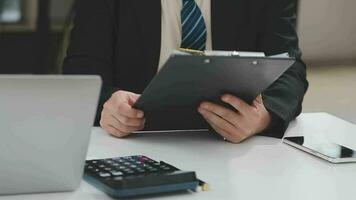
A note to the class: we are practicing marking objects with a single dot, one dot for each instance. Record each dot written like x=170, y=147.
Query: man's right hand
x=118, y=117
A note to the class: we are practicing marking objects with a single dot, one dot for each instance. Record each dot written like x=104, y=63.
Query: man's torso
x=234, y=26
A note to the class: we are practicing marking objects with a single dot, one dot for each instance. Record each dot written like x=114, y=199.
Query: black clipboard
x=171, y=100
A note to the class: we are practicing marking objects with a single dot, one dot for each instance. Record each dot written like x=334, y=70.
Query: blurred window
x=10, y=11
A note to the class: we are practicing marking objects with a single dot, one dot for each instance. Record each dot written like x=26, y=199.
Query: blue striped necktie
x=194, y=31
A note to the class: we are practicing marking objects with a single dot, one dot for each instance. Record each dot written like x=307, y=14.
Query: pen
x=192, y=51
x=204, y=186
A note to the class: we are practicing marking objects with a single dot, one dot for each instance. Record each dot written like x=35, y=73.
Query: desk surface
x=259, y=168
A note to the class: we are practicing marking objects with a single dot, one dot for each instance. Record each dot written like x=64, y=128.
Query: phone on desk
x=322, y=148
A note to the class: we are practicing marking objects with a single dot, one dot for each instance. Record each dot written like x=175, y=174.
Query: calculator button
x=104, y=174
x=102, y=166
x=108, y=169
x=94, y=171
x=116, y=173
x=142, y=159
x=118, y=178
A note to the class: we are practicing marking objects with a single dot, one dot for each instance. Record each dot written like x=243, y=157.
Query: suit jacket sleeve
x=92, y=45
x=284, y=98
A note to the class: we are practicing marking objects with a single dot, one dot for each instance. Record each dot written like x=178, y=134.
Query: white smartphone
x=324, y=149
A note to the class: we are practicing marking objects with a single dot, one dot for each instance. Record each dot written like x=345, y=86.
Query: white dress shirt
x=171, y=33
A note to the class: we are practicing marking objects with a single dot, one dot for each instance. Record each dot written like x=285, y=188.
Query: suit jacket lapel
x=148, y=14
x=227, y=18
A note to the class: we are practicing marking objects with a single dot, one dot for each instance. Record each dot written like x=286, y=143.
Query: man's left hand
x=240, y=124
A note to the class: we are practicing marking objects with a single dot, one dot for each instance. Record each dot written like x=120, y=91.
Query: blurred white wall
x=327, y=30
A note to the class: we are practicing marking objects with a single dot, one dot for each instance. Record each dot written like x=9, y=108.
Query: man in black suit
x=127, y=42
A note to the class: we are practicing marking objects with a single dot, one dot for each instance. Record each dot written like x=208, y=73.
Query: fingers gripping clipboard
x=171, y=100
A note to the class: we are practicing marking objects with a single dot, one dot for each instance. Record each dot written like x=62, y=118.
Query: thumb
x=258, y=101
x=132, y=98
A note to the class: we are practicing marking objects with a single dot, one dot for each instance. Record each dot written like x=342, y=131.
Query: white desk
x=259, y=168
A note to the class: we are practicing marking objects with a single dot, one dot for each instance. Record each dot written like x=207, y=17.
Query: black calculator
x=132, y=176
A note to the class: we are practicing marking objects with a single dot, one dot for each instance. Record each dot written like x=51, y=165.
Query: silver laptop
x=45, y=126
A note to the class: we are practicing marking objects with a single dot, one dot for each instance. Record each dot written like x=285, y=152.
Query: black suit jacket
x=121, y=39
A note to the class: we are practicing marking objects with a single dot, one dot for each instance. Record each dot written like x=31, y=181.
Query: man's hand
x=118, y=117
x=236, y=126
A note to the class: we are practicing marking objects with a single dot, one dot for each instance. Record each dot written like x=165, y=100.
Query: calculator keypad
x=116, y=168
